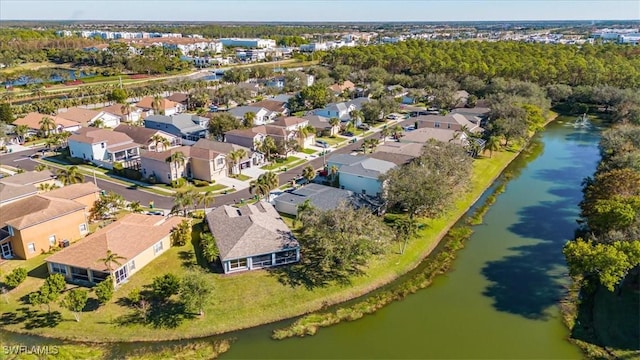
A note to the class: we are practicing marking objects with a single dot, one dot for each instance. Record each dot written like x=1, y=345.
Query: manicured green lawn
x=270, y=299
x=309, y=151
x=278, y=163
x=332, y=140
x=241, y=177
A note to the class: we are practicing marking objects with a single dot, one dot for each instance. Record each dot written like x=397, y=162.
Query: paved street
x=21, y=159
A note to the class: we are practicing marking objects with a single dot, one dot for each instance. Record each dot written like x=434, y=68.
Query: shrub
x=178, y=183
x=104, y=290
x=164, y=286
x=15, y=277
x=200, y=183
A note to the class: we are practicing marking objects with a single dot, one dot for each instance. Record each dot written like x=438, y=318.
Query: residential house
x=322, y=126
x=461, y=97
x=104, y=147
x=20, y=186
x=81, y=262
x=398, y=153
x=206, y=163
x=473, y=114
x=154, y=164
x=360, y=174
x=293, y=124
x=180, y=98
x=423, y=135
x=186, y=126
x=252, y=237
x=166, y=107
x=252, y=158
x=276, y=106
x=87, y=117
x=341, y=88
x=41, y=222
x=252, y=88
x=32, y=121
x=249, y=138
x=143, y=137
x=341, y=110
x=321, y=197
x=133, y=115
x=263, y=115
x=452, y=121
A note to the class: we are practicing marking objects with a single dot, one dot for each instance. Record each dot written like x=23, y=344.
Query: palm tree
x=182, y=199
x=46, y=125
x=268, y=146
x=233, y=159
x=369, y=144
x=177, y=159
x=21, y=131
x=249, y=119
x=111, y=258
x=71, y=175
x=384, y=133
x=135, y=207
x=308, y=173
x=304, y=132
x=40, y=167
x=158, y=139
x=264, y=184
x=126, y=109
x=156, y=105
x=493, y=144
x=98, y=123
x=333, y=171
x=44, y=187
x=397, y=132
x=334, y=122
x=356, y=117
x=206, y=198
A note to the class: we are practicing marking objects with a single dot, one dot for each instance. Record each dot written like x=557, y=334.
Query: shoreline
x=341, y=297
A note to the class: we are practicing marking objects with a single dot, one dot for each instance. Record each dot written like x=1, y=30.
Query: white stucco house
x=104, y=147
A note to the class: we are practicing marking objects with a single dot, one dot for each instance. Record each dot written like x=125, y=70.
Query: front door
x=6, y=250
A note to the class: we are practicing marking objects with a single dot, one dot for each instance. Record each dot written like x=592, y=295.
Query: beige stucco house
x=80, y=262
x=155, y=164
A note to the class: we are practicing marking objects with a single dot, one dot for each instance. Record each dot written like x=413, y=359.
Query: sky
x=320, y=10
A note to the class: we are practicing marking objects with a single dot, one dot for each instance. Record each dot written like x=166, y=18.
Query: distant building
x=248, y=43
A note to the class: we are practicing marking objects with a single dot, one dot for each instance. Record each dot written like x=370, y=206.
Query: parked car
x=155, y=212
x=322, y=144
x=35, y=156
x=348, y=134
x=364, y=126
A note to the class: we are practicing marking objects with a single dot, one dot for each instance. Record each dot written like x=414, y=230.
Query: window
x=157, y=248
x=10, y=230
x=102, y=145
x=132, y=265
x=52, y=240
x=83, y=228
x=169, y=176
x=261, y=261
x=121, y=274
x=31, y=247
x=58, y=268
x=285, y=257
x=364, y=191
x=448, y=126
x=220, y=161
x=237, y=264
x=437, y=124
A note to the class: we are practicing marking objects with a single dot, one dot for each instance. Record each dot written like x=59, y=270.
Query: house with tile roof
x=80, y=263
x=32, y=121
x=186, y=126
x=322, y=126
x=104, y=147
x=263, y=115
x=342, y=110
x=31, y=226
x=167, y=107
x=87, y=117
x=19, y=186
x=133, y=115
x=360, y=174
x=279, y=107
x=207, y=155
x=154, y=164
x=344, y=86
x=252, y=237
x=143, y=137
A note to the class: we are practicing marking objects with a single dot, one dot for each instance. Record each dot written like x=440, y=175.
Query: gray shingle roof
x=345, y=159
x=371, y=168
x=249, y=230
x=184, y=122
x=321, y=197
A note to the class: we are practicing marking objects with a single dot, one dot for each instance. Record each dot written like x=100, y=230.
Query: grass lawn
x=332, y=140
x=241, y=177
x=309, y=151
x=280, y=163
x=270, y=299
x=214, y=187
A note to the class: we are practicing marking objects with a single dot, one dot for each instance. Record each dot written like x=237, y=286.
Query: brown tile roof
x=278, y=131
x=347, y=85
x=249, y=230
x=74, y=191
x=163, y=155
x=127, y=237
x=146, y=103
x=36, y=209
x=272, y=105
x=115, y=109
x=248, y=133
x=178, y=97
x=28, y=178
x=95, y=135
x=32, y=120
x=289, y=121
x=139, y=134
x=82, y=116
x=9, y=192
